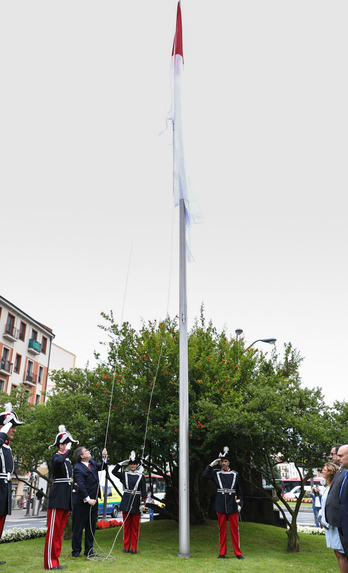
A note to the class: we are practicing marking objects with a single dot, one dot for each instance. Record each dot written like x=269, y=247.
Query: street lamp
x=267, y=340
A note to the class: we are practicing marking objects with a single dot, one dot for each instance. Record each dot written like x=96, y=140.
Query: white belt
x=6, y=476
x=132, y=491
x=63, y=480
x=226, y=490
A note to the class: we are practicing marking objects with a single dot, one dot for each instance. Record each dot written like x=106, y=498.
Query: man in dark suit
x=332, y=506
x=85, y=500
x=8, y=423
x=343, y=498
x=59, y=500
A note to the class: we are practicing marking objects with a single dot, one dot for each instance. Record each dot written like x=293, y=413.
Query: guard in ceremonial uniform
x=134, y=488
x=228, y=501
x=8, y=423
x=59, y=500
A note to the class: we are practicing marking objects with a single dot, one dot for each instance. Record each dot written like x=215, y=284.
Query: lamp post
x=239, y=332
x=267, y=340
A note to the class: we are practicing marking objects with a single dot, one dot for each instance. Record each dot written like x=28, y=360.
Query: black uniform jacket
x=228, y=488
x=134, y=487
x=6, y=469
x=61, y=490
x=332, y=504
x=87, y=481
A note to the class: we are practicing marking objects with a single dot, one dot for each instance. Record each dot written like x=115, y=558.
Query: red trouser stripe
x=131, y=530
x=233, y=521
x=57, y=519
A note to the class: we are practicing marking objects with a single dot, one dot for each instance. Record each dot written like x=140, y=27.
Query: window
x=37, y=399
x=43, y=345
x=2, y=385
x=22, y=330
x=5, y=353
x=34, y=334
x=18, y=363
x=0, y=311
x=40, y=374
x=13, y=387
x=29, y=375
x=10, y=324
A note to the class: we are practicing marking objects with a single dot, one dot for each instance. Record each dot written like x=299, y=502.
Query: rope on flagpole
x=102, y=556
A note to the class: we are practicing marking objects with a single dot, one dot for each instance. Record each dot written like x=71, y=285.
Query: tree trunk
x=293, y=539
x=68, y=528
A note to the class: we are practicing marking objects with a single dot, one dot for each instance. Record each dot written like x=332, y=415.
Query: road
x=19, y=519
x=305, y=517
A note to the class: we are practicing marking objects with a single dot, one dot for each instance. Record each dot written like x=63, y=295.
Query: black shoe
x=239, y=556
x=133, y=552
x=76, y=555
x=222, y=557
x=126, y=551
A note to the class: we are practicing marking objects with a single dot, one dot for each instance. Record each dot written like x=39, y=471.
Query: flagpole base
x=184, y=555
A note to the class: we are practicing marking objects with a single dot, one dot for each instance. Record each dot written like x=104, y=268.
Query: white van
x=295, y=492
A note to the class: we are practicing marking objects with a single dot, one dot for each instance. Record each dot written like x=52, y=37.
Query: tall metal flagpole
x=184, y=501
x=179, y=185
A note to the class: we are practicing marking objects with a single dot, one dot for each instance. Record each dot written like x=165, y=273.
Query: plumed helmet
x=133, y=458
x=9, y=416
x=63, y=437
x=225, y=455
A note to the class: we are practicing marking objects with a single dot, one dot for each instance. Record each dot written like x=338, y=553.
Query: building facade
x=25, y=352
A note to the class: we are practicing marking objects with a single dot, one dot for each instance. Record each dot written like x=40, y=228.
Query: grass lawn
x=263, y=546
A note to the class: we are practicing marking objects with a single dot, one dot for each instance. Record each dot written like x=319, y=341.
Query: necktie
x=345, y=477
x=89, y=466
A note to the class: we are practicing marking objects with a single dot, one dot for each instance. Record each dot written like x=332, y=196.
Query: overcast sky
x=86, y=182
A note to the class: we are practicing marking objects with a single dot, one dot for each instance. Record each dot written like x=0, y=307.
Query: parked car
x=295, y=492
x=113, y=502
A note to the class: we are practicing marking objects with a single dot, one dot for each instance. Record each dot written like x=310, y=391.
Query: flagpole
x=180, y=193
x=184, y=500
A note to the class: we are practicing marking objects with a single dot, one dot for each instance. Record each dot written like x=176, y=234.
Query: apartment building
x=25, y=351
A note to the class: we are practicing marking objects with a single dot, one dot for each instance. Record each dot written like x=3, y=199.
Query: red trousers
x=2, y=523
x=130, y=530
x=57, y=519
x=222, y=521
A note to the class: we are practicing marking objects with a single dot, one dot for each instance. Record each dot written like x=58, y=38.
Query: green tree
x=251, y=401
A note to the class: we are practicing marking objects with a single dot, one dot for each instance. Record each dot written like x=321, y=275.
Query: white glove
x=124, y=463
x=6, y=427
x=68, y=446
x=215, y=462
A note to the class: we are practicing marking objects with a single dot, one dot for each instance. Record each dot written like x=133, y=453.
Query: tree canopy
x=241, y=397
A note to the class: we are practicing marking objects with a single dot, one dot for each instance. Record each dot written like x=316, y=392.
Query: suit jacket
x=332, y=506
x=61, y=490
x=344, y=508
x=87, y=481
x=225, y=501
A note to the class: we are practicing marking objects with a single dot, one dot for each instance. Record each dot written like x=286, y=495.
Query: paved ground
x=20, y=519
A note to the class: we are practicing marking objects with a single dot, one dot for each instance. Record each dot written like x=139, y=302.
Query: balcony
x=11, y=332
x=30, y=379
x=5, y=366
x=34, y=346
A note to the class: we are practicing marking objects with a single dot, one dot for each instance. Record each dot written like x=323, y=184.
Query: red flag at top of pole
x=177, y=44
x=180, y=179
